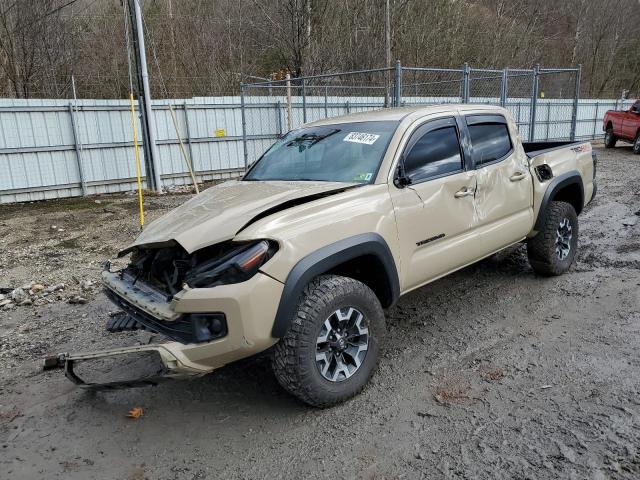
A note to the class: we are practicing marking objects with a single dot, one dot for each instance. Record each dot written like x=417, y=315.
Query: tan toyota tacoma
x=330, y=226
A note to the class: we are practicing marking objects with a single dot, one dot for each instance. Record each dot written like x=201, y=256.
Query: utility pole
x=387, y=42
x=387, y=33
x=151, y=157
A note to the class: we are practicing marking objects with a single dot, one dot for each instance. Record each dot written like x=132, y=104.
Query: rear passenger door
x=504, y=192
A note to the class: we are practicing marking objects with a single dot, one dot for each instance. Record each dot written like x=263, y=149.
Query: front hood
x=218, y=213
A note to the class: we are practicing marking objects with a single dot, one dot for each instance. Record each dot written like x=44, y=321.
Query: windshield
x=344, y=152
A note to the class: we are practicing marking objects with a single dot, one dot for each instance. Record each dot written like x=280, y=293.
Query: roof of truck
x=399, y=113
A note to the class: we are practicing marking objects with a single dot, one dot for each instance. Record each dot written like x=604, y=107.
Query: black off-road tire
x=542, y=249
x=609, y=138
x=294, y=356
x=636, y=144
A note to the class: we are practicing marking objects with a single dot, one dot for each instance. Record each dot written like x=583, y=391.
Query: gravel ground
x=489, y=373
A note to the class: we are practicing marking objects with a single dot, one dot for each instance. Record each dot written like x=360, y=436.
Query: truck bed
x=533, y=149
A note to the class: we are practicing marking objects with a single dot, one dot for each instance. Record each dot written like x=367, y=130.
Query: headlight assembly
x=237, y=265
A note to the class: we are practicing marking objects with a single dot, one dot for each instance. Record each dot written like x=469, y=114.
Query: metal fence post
x=244, y=128
x=289, y=106
x=576, y=98
x=188, y=132
x=465, y=83
x=304, y=101
x=326, y=108
x=278, y=119
x=397, y=88
x=504, y=87
x=534, y=103
x=76, y=142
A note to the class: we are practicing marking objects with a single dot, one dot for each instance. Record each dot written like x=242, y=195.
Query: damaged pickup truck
x=332, y=225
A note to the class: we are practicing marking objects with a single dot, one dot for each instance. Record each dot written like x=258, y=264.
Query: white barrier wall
x=41, y=158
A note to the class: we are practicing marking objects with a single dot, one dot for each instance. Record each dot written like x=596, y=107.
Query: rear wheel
x=332, y=347
x=609, y=138
x=552, y=250
x=636, y=144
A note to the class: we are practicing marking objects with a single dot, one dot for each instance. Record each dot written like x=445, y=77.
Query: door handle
x=517, y=176
x=464, y=192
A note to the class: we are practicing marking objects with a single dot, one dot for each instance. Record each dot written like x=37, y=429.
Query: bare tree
x=35, y=46
x=206, y=47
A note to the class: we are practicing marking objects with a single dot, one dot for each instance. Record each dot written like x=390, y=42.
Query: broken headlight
x=237, y=265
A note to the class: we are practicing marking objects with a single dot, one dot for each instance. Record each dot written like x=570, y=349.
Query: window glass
x=490, y=142
x=344, y=152
x=436, y=153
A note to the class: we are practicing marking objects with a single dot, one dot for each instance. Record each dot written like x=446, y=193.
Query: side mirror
x=401, y=180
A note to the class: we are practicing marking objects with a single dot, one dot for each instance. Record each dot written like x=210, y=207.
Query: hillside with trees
x=206, y=47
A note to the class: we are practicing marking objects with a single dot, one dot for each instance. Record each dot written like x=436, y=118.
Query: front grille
x=123, y=322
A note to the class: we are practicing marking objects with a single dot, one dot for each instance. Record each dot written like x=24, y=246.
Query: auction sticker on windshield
x=366, y=138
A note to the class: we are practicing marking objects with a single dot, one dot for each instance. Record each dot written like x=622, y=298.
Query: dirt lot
x=489, y=373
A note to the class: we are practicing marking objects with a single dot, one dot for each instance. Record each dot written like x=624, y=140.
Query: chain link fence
x=270, y=109
x=543, y=101
x=484, y=86
x=60, y=148
x=427, y=86
x=518, y=98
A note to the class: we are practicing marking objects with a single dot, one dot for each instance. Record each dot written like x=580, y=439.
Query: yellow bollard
x=137, y=155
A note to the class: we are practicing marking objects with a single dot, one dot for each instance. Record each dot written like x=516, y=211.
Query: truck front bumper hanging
x=170, y=367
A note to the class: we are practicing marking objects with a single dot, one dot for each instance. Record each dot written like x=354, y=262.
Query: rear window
x=490, y=142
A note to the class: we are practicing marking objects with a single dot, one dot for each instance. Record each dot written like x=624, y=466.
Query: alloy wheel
x=563, y=239
x=342, y=344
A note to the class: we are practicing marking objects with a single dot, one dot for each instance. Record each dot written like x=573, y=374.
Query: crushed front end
x=213, y=305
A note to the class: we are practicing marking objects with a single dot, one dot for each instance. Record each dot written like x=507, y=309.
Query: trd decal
x=431, y=239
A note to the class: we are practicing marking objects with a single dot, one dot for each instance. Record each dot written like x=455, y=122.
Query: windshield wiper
x=312, y=138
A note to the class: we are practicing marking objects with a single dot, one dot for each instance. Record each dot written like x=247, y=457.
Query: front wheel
x=552, y=250
x=331, y=349
x=636, y=144
x=609, y=138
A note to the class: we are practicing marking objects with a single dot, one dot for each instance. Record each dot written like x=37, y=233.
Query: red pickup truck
x=623, y=126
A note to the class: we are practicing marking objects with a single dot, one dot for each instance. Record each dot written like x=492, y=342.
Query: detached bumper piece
x=188, y=328
x=68, y=362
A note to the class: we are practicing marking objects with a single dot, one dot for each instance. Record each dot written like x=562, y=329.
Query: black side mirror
x=401, y=179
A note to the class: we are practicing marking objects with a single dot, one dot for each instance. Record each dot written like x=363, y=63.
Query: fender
x=557, y=184
x=325, y=259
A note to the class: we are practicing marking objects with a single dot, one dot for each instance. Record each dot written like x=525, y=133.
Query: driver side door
x=435, y=211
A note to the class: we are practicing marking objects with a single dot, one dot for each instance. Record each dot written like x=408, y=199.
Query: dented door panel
x=505, y=192
x=432, y=227
x=504, y=195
